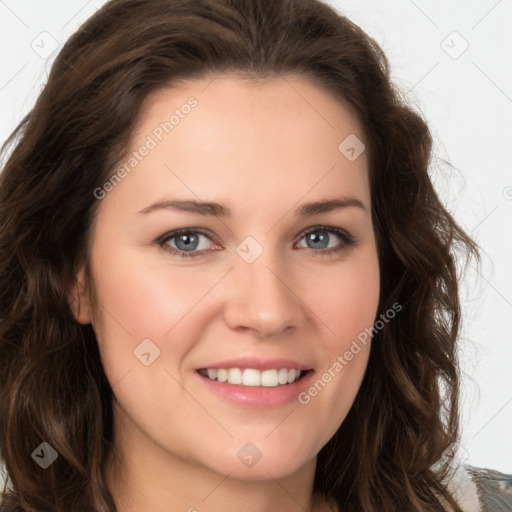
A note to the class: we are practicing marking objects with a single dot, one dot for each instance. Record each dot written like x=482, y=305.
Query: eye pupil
x=189, y=240
x=318, y=237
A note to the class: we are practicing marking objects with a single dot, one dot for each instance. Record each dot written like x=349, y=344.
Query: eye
x=319, y=240
x=185, y=243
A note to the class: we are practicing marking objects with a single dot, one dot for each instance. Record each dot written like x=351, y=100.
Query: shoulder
x=494, y=489
x=480, y=489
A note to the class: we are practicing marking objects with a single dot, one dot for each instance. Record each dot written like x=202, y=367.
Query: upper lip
x=257, y=364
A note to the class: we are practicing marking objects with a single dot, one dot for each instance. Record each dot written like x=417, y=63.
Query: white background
x=467, y=100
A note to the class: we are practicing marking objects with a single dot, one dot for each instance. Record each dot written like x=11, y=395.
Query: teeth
x=235, y=376
x=269, y=378
x=252, y=377
x=282, y=376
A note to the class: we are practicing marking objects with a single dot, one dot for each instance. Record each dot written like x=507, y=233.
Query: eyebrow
x=213, y=209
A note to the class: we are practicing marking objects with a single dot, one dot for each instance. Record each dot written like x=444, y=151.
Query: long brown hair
x=387, y=454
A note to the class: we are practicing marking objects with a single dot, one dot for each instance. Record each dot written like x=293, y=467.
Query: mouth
x=252, y=377
x=256, y=382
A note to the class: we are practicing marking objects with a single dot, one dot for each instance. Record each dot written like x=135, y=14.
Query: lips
x=258, y=364
x=262, y=395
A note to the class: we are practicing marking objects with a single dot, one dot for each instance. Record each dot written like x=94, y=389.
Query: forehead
x=223, y=135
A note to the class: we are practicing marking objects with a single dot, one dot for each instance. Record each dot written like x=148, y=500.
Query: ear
x=79, y=298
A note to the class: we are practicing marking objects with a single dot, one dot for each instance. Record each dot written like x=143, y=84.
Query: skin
x=262, y=149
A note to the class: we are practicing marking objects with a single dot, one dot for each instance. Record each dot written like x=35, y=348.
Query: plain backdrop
x=452, y=60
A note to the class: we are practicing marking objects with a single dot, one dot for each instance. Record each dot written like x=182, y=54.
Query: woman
x=227, y=278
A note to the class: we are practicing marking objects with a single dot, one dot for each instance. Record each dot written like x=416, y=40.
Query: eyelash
x=347, y=241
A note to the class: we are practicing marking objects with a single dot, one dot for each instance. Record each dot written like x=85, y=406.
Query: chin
x=260, y=460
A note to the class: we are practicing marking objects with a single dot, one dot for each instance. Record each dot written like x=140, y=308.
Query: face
x=239, y=245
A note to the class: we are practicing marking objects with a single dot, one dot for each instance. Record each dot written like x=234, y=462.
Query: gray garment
x=494, y=489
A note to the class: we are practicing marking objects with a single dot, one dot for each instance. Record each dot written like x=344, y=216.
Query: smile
x=252, y=377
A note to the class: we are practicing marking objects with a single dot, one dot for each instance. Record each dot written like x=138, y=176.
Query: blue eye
x=320, y=237
x=185, y=243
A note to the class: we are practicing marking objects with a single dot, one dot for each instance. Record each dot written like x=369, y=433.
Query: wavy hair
x=388, y=453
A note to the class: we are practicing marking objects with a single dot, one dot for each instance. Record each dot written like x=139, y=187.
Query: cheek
x=139, y=300
x=148, y=300
x=345, y=299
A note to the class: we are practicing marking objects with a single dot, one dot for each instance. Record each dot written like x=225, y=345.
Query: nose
x=263, y=299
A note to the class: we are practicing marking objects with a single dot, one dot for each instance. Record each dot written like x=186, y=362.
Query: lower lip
x=259, y=396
